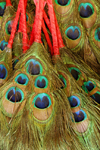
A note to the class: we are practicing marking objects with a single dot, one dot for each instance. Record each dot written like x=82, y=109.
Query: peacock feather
x=49, y=75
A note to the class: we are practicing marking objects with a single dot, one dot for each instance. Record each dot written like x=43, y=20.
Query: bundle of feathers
x=49, y=75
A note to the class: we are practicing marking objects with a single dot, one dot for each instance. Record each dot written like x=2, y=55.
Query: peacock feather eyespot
x=80, y=116
x=8, y=26
x=3, y=45
x=63, y=81
x=3, y=72
x=97, y=34
x=73, y=32
x=41, y=82
x=33, y=67
x=42, y=101
x=74, y=101
x=96, y=97
x=88, y=86
x=63, y=2
x=2, y=8
x=75, y=72
x=22, y=79
x=14, y=95
x=85, y=10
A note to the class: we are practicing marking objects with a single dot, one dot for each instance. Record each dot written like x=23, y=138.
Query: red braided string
x=32, y=33
x=32, y=36
x=24, y=29
x=25, y=4
x=47, y=21
x=14, y=26
x=20, y=22
x=60, y=40
x=53, y=27
x=47, y=37
x=38, y=24
x=20, y=27
x=8, y=3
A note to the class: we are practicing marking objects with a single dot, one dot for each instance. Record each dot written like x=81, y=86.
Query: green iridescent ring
x=33, y=67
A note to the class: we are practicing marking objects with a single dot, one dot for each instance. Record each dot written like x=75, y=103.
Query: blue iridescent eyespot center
x=22, y=79
x=3, y=44
x=80, y=116
x=88, y=86
x=97, y=34
x=2, y=8
x=33, y=67
x=75, y=72
x=42, y=101
x=3, y=72
x=74, y=101
x=96, y=97
x=85, y=10
x=73, y=32
x=63, y=2
x=14, y=94
x=41, y=82
x=63, y=81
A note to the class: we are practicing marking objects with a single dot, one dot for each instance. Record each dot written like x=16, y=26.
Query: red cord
x=8, y=3
x=32, y=33
x=53, y=27
x=47, y=21
x=25, y=4
x=24, y=29
x=14, y=26
x=20, y=22
x=60, y=40
x=20, y=27
x=38, y=24
x=32, y=36
x=21, y=9
x=47, y=37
